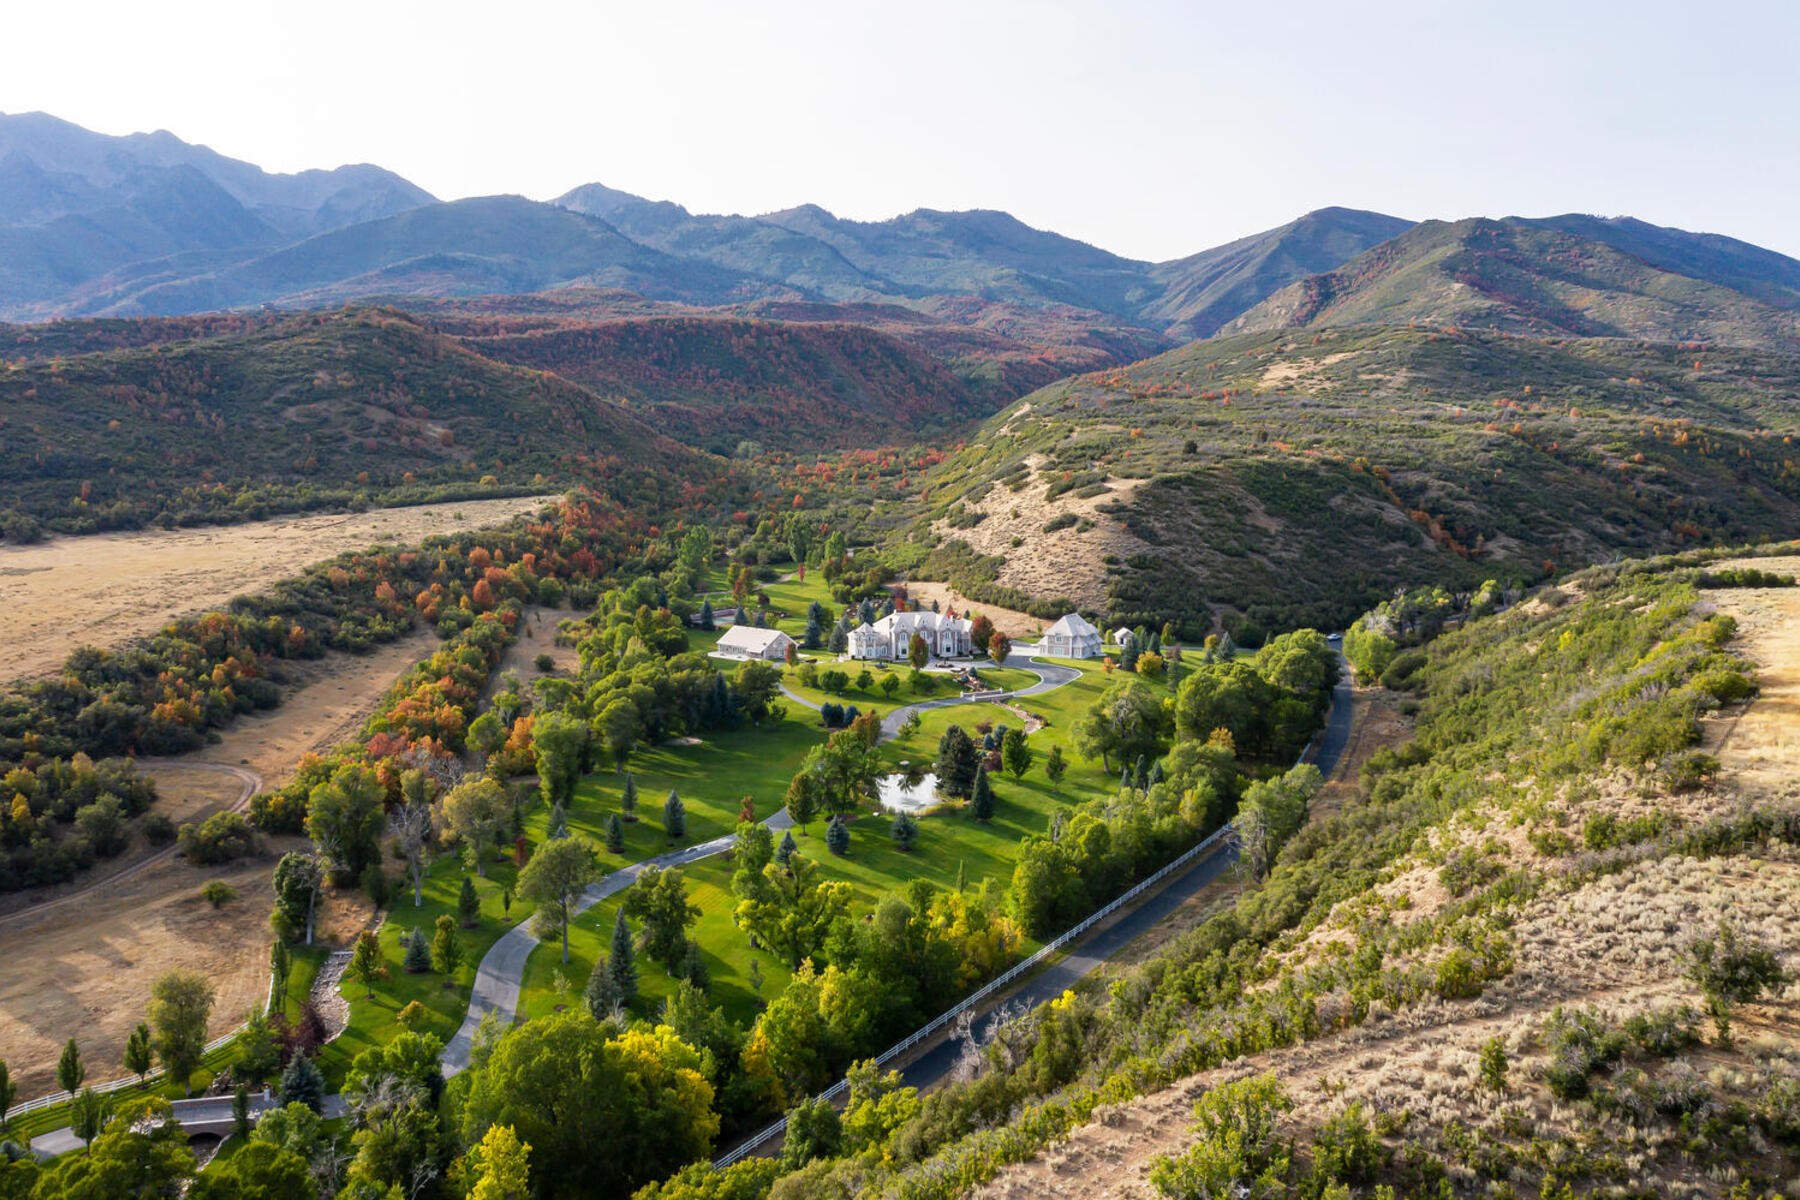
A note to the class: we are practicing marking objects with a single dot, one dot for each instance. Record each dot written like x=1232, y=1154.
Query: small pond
x=899, y=796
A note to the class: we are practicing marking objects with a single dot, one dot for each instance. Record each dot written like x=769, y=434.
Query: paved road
x=1049, y=676
x=934, y=1065
x=502, y=968
x=204, y=1114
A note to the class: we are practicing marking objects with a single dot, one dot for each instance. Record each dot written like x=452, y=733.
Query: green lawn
x=372, y=1020
x=874, y=867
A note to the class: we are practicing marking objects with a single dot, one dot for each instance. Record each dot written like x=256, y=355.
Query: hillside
x=357, y=407
x=715, y=381
x=463, y=248
x=1532, y=279
x=1203, y=292
x=1265, y=482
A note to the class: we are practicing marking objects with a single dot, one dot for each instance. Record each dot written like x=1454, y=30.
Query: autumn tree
x=478, y=812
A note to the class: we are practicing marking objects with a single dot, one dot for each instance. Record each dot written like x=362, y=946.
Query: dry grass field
x=1612, y=944
x=80, y=960
x=106, y=589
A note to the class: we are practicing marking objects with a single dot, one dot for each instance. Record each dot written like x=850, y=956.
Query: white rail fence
x=55, y=1098
x=998, y=983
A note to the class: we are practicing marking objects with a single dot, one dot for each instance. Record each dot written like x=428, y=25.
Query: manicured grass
x=712, y=779
x=874, y=867
x=372, y=1020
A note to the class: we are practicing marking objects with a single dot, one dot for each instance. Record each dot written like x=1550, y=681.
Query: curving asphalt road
x=934, y=1065
x=502, y=969
x=1049, y=675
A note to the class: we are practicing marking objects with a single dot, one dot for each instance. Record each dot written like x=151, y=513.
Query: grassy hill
x=1276, y=479
x=716, y=381
x=356, y=407
x=1206, y=290
x=1524, y=278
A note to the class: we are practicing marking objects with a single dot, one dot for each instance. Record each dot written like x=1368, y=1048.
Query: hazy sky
x=1154, y=129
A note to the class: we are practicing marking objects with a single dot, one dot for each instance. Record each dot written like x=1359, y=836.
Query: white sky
x=1154, y=129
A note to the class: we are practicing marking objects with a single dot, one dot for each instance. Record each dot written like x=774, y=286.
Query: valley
x=478, y=642
x=112, y=588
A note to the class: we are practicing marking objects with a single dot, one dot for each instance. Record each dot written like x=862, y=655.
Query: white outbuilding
x=747, y=641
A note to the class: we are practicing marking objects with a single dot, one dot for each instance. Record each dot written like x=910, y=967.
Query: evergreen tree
x=9, y=1091
x=1015, y=753
x=615, y=834
x=674, y=817
x=559, y=821
x=981, y=797
x=905, y=831
x=693, y=968
x=840, y=641
x=468, y=904
x=70, y=1070
x=1143, y=774
x=1055, y=766
x=240, y=1111
x=1128, y=656
x=621, y=963
x=957, y=762
x=138, y=1053
x=302, y=1083
x=418, y=953
x=1156, y=772
x=962, y=876
x=628, y=798
x=786, y=850
x=706, y=616
x=837, y=837
x=601, y=1000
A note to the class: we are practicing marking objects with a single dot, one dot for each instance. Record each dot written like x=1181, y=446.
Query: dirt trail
x=108, y=588
x=82, y=963
x=1606, y=944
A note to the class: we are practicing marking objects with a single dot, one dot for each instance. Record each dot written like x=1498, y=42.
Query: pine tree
x=9, y=1091
x=837, y=837
x=1143, y=774
x=601, y=1000
x=70, y=1070
x=904, y=831
x=1055, y=766
x=981, y=798
x=706, y=615
x=240, y=1111
x=1156, y=772
x=559, y=821
x=418, y=953
x=957, y=761
x=621, y=964
x=468, y=904
x=962, y=877
x=137, y=1052
x=786, y=850
x=755, y=977
x=302, y=1083
x=693, y=967
x=674, y=817
x=628, y=799
x=615, y=834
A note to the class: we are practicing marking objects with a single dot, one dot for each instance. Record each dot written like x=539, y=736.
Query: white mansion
x=889, y=638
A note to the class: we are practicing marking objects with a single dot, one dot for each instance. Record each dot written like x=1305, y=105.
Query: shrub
x=218, y=893
x=544, y=663
x=159, y=829
x=219, y=839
